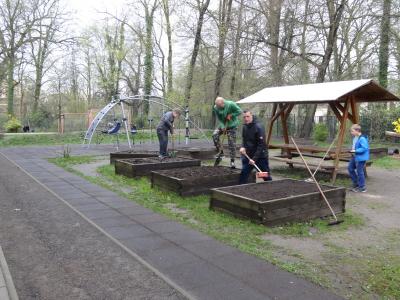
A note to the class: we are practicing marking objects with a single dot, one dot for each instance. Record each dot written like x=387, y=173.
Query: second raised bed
x=136, y=167
x=195, y=180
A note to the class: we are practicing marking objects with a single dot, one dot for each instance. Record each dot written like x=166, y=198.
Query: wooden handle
x=258, y=169
x=316, y=182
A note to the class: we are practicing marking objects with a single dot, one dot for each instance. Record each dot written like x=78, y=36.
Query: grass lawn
x=30, y=139
x=387, y=162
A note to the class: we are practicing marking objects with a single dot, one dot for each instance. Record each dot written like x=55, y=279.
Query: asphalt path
x=53, y=253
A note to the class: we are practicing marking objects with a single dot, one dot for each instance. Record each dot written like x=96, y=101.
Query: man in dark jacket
x=166, y=124
x=253, y=136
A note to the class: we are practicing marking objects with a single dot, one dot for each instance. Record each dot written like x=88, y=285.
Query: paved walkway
x=191, y=262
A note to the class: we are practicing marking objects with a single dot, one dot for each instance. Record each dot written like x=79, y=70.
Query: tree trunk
x=225, y=17
x=38, y=87
x=384, y=44
x=195, y=52
x=274, y=21
x=304, y=71
x=148, y=58
x=236, y=50
x=10, y=85
x=169, y=37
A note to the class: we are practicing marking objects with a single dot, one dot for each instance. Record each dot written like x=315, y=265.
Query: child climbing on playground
x=227, y=113
x=360, y=155
x=166, y=124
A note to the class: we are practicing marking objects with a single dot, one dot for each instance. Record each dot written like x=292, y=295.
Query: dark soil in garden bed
x=137, y=152
x=131, y=154
x=276, y=190
x=203, y=171
x=155, y=160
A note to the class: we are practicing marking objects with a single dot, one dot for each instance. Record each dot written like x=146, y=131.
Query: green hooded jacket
x=230, y=108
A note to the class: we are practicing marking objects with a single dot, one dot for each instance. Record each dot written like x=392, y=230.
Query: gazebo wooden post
x=339, y=145
x=284, y=115
x=354, y=110
x=271, y=124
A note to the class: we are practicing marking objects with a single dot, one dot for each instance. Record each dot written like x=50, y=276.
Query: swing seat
x=134, y=130
x=114, y=129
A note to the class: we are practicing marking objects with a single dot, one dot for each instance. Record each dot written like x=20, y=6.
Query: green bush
x=13, y=124
x=42, y=118
x=320, y=132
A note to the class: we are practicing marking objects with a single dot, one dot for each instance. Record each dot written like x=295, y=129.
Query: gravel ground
x=53, y=253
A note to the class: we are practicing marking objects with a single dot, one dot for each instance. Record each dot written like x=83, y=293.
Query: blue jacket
x=362, y=149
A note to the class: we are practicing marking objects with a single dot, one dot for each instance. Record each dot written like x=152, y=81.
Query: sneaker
x=233, y=166
x=161, y=157
x=354, y=189
x=359, y=190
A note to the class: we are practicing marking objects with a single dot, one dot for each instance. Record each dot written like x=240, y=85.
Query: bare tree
x=202, y=6
x=335, y=16
x=109, y=58
x=48, y=31
x=149, y=10
x=19, y=19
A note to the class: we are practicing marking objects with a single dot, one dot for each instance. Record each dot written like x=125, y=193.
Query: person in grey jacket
x=166, y=124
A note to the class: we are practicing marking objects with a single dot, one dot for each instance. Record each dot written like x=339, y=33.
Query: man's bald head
x=220, y=102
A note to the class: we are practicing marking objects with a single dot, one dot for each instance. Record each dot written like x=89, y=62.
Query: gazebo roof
x=364, y=90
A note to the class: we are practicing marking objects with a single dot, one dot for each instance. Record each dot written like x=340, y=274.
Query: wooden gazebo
x=342, y=97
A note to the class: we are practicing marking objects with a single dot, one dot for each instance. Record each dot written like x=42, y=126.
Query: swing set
x=131, y=131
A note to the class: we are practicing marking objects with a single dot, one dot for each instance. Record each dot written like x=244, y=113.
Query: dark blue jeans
x=262, y=163
x=356, y=171
x=163, y=140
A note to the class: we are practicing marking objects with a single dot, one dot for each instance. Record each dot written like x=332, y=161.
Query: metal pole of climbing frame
x=187, y=134
x=126, y=125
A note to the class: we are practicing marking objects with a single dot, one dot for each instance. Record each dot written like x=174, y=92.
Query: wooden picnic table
x=309, y=149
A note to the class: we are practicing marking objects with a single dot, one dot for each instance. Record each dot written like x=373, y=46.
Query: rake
x=172, y=153
x=336, y=221
x=259, y=174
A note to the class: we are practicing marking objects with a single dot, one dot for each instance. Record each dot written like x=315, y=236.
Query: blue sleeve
x=362, y=146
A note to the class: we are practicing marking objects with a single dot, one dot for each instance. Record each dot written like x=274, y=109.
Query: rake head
x=262, y=174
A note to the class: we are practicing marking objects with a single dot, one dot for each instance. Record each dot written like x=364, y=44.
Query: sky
x=87, y=11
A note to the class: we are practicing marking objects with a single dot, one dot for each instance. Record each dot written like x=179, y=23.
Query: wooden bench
x=294, y=162
x=329, y=168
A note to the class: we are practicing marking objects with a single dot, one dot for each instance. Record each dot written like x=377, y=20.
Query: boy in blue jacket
x=360, y=155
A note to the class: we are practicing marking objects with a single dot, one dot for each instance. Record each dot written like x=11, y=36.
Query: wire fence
x=374, y=123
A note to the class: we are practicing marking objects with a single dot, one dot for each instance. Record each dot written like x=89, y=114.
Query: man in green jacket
x=227, y=113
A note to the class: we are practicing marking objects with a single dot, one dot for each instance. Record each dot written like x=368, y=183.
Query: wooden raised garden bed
x=131, y=154
x=136, y=167
x=198, y=153
x=195, y=180
x=278, y=202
